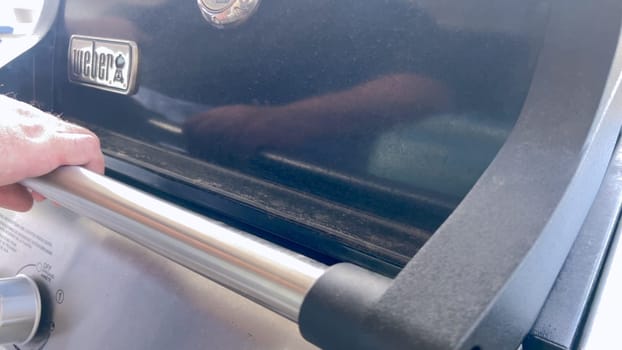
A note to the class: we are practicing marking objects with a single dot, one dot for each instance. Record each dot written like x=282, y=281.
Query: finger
x=38, y=197
x=65, y=149
x=96, y=164
x=78, y=149
x=34, y=159
x=15, y=197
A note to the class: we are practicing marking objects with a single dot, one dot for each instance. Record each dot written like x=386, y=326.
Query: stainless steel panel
x=103, y=291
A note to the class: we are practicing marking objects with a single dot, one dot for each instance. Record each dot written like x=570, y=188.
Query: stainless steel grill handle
x=263, y=272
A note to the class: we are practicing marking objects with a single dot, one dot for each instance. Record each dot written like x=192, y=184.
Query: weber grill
x=339, y=174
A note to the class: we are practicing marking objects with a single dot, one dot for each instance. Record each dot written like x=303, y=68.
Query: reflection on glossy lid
x=224, y=13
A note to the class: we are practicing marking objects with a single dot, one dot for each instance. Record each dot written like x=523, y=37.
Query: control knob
x=20, y=309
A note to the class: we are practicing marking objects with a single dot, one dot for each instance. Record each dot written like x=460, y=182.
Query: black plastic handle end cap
x=333, y=312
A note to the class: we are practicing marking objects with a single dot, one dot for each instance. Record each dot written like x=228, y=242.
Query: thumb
x=15, y=197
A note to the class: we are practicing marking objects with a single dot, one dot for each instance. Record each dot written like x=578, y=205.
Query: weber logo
x=103, y=63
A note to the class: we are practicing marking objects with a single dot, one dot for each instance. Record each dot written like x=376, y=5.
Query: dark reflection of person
x=303, y=75
x=360, y=110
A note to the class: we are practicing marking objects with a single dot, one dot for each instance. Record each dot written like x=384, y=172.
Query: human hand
x=33, y=143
